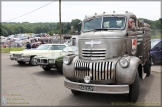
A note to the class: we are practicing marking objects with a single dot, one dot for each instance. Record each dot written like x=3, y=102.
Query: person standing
x=28, y=45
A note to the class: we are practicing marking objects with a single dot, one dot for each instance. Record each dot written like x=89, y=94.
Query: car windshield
x=154, y=42
x=108, y=22
x=43, y=47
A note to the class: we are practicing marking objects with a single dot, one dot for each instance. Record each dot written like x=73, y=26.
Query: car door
x=157, y=52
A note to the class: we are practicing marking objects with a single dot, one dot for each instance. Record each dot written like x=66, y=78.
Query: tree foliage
x=12, y=28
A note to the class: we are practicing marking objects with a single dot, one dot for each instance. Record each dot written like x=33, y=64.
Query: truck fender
x=127, y=75
x=68, y=70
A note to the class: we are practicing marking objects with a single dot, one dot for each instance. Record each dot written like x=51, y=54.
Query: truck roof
x=125, y=13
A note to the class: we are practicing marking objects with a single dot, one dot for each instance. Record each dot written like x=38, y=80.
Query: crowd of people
x=35, y=43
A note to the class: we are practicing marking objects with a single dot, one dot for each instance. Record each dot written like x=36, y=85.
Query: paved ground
x=32, y=86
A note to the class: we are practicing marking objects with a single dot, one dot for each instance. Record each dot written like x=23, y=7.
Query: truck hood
x=102, y=44
x=103, y=34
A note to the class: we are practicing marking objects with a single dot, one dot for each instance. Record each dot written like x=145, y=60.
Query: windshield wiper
x=99, y=29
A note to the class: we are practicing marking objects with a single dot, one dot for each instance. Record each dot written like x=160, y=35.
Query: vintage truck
x=113, y=58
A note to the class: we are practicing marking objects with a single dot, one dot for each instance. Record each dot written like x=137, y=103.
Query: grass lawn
x=7, y=50
x=157, y=36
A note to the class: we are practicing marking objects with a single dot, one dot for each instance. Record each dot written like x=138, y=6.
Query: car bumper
x=105, y=89
x=22, y=59
x=12, y=58
x=49, y=65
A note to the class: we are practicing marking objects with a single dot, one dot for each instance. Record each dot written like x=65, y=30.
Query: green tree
x=76, y=25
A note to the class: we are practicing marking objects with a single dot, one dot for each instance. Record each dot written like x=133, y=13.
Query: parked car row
x=46, y=56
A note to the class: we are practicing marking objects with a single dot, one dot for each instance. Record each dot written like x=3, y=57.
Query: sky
x=11, y=10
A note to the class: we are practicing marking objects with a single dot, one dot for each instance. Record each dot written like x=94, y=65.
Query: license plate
x=87, y=88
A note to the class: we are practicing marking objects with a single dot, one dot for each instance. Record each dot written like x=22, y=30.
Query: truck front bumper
x=95, y=88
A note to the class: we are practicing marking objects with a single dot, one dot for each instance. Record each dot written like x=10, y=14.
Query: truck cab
x=112, y=57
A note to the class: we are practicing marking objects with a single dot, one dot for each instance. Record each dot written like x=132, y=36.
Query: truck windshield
x=107, y=22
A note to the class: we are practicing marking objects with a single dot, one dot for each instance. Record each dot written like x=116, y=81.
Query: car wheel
x=32, y=62
x=59, y=67
x=46, y=68
x=75, y=92
x=21, y=62
x=60, y=70
x=134, y=89
x=147, y=67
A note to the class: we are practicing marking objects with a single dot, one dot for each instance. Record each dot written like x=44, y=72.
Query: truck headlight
x=123, y=62
x=66, y=60
x=51, y=61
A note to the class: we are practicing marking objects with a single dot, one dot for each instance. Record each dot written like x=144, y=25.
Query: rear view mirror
x=140, y=23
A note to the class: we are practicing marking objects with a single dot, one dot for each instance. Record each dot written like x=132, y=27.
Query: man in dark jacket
x=28, y=46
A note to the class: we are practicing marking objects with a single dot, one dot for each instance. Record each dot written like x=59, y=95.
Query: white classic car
x=28, y=55
x=55, y=60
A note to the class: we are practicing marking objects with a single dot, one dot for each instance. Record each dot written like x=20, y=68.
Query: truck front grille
x=97, y=70
x=94, y=54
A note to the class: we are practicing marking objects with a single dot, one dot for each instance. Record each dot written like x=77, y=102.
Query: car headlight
x=51, y=61
x=10, y=54
x=22, y=55
x=66, y=60
x=123, y=62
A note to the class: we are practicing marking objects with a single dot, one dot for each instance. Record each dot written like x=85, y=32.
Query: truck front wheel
x=75, y=92
x=134, y=89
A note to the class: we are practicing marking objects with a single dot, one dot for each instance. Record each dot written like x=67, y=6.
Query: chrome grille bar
x=94, y=53
x=42, y=61
x=18, y=55
x=106, y=70
x=98, y=70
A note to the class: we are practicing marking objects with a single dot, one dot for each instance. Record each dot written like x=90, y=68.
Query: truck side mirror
x=140, y=23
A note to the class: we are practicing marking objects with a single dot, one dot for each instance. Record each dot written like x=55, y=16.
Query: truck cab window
x=131, y=27
x=106, y=22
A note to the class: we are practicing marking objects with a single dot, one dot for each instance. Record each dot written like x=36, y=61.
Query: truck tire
x=46, y=68
x=21, y=62
x=134, y=89
x=75, y=92
x=147, y=67
x=31, y=62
